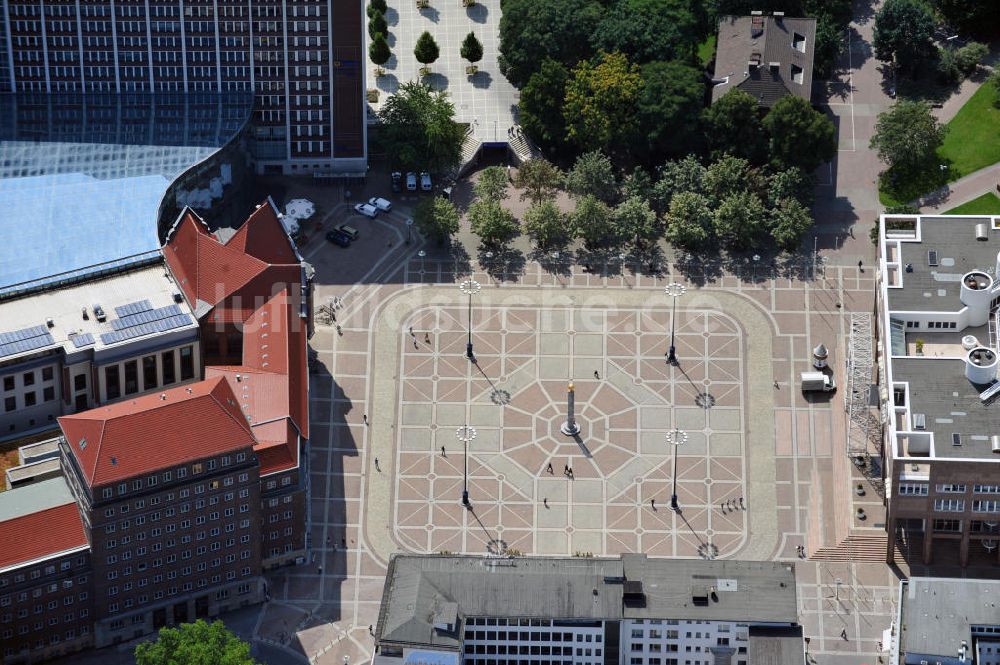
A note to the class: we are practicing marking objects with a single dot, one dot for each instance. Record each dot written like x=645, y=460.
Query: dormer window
x=797, y=74
x=799, y=42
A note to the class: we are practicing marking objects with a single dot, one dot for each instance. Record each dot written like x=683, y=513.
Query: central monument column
x=570, y=427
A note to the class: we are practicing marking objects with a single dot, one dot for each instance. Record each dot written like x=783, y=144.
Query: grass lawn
x=973, y=138
x=987, y=204
x=706, y=50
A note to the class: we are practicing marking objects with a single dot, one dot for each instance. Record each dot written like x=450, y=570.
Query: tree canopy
x=683, y=175
x=689, y=221
x=637, y=223
x=545, y=223
x=733, y=126
x=426, y=49
x=531, y=31
x=471, y=49
x=790, y=221
x=601, y=102
x=377, y=6
x=978, y=17
x=669, y=108
x=593, y=174
x=542, y=105
x=907, y=136
x=591, y=221
x=198, y=643
x=741, y=221
x=904, y=32
x=650, y=29
x=799, y=135
x=378, y=50
x=491, y=184
x=436, y=218
x=539, y=179
x=494, y=224
x=419, y=130
x=377, y=25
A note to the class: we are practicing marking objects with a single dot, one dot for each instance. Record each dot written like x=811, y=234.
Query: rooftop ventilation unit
x=176, y=295
x=990, y=392
x=99, y=313
x=919, y=421
x=50, y=323
x=932, y=257
x=83, y=311
x=981, y=232
x=995, y=443
x=632, y=594
x=699, y=595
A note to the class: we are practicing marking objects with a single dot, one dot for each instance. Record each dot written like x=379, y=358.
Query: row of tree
x=426, y=50
x=729, y=203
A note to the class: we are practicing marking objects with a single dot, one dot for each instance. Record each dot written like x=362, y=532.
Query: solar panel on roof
x=133, y=308
x=24, y=339
x=148, y=316
x=80, y=341
x=160, y=325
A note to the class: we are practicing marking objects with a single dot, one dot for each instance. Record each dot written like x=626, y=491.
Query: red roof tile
x=276, y=457
x=263, y=236
x=37, y=535
x=156, y=431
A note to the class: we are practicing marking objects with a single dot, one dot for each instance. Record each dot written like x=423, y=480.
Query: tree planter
x=468, y=3
x=859, y=490
x=423, y=4
x=861, y=514
x=471, y=69
x=425, y=71
x=379, y=71
x=372, y=96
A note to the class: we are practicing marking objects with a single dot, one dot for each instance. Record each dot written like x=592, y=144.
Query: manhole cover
x=500, y=397
x=705, y=400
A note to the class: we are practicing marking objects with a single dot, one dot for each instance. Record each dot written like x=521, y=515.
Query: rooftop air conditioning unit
x=919, y=421
x=981, y=232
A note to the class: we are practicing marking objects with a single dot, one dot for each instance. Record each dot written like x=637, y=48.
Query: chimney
x=778, y=16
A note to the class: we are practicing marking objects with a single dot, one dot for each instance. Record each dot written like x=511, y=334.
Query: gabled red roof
x=125, y=439
x=38, y=535
x=263, y=236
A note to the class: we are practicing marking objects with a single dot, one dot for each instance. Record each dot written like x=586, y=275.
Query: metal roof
x=936, y=614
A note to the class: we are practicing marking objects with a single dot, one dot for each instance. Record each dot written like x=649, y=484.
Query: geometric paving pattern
x=617, y=499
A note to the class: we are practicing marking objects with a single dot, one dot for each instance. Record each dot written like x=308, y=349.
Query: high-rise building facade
x=302, y=59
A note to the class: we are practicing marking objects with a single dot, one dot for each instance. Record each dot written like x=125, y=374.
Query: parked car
x=380, y=203
x=397, y=179
x=338, y=238
x=425, y=181
x=366, y=209
x=411, y=182
x=347, y=230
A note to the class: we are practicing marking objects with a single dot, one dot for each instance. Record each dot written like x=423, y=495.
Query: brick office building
x=184, y=496
x=302, y=59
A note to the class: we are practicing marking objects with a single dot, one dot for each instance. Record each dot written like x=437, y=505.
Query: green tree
x=994, y=80
x=689, y=221
x=494, y=224
x=978, y=17
x=732, y=126
x=435, y=217
x=637, y=222
x=419, y=130
x=669, y=108
x=377, y=7
x=682, y=175
x=471, y=50
x=426, y=49
x=800, y=135
x=377, y=25
x=531, y=31
x=904, y=31
x=593, y=174
x=726, y=177
x=741, y=221
x=198, y=643
x=790, y=183
x=545, y=223
x=907, y=136
x=539, y=179
x=790, y=221
x=591, y=221
x=378, y=50
x=601, y=102
x=638, y=183
x=970, y=56
x=828, y=44
x=491, y=185
x=649, y=30
x=541, y=105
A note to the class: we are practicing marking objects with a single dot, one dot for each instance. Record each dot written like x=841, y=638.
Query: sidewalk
x=962, y=190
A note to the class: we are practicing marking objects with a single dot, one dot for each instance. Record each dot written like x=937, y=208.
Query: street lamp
x=756, y=258
x=675, y=437
x=675, y=291
x=409, y=226
x=465, y=434
x=470, y=287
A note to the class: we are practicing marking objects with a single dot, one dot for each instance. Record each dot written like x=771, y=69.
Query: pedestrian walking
x=545, y=501
x=549, y=467
x=741, y=504
x=442, y=452
x=365, y=418
x=843, y=633
x=371, y=630
x=415, y=343
x=411, y=331
x=596, y=375
x=343, y=543
x=427, y=338
x=565, y=469
x=377, y=467
x=333, y=316
x=862, y=270
x=571, y=472
x=339, y=331
x=652, y=502
x=777, y=387
x=723, y=506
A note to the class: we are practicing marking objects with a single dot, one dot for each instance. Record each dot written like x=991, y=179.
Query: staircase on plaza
x=860, y=547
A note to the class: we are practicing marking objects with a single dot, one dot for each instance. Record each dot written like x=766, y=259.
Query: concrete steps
x=867, y=547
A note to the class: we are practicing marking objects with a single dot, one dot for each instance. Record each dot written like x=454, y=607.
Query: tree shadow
x=436, y=81
x=431, y=13
x=390, y=39
x=388, y=83
x=392, y=62
x=481, y=79
x=502, y=264
x=700, y=269
x=861, y=50
x=478, y=12
x=391, y=16
x=555, y=259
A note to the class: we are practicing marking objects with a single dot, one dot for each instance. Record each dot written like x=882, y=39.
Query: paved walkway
x=962, y=190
